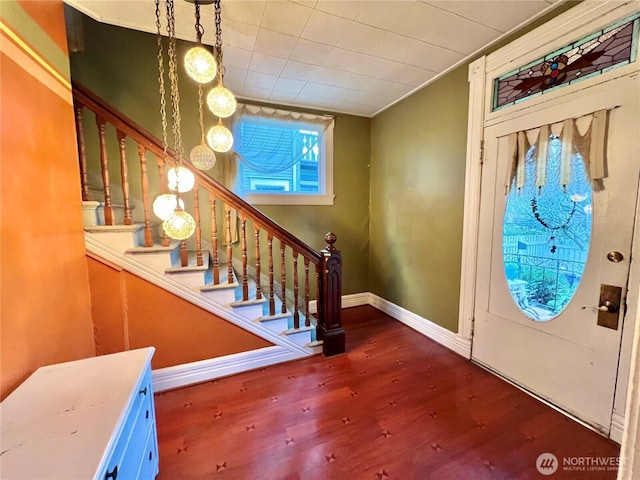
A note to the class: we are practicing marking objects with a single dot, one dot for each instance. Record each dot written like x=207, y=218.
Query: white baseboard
x=352, y=300
x=617, y=426
x=205, y=370
x=446, y=338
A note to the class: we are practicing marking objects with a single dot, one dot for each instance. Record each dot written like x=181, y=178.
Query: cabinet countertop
x=62, y=421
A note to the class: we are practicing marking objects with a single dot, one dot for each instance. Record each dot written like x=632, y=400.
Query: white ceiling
x=349, y=56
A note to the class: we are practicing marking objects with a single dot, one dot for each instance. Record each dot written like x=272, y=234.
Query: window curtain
x=591, y=145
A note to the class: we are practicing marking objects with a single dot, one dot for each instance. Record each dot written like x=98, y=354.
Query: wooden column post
x=329, y=328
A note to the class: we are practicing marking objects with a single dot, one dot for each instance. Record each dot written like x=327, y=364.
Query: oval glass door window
x=546, y=237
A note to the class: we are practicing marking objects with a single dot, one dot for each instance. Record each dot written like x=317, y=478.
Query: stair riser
x=277, y=326
x=301, y=338
x=157, y=261
x=193, y=280
x=223, y=296
x=250, y=312
x=119, y=241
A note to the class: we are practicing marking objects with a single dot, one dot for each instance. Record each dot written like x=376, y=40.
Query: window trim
x=325, y=172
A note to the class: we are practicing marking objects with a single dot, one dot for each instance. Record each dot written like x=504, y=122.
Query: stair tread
x=277, y=316
x=220, y=286
x=292, y=331
x=252, y=301
x=113, y=228
x=153, y=249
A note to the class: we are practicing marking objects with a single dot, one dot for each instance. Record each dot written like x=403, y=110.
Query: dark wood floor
x=397, y=406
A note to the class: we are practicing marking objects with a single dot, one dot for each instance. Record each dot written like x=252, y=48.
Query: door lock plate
x=610, y=295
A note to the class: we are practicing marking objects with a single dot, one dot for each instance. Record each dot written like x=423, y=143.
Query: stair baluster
x=283, y=277
x=256, y=233
x=307, y=319
x=163, y=188
x=104, y=166
x=196, y=217
x=148, y=236
x=124, y=173
x=214, y=240
x=184, y=253
x=296, y=313
x=245, y=274
x=272, y=300
x=82, y=152
x=229, y=246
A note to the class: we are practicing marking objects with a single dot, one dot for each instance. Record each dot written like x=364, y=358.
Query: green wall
x=120, y=65
x=417, y=196
x=418, y=157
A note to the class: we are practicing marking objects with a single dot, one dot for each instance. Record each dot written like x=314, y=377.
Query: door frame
x=571, y=25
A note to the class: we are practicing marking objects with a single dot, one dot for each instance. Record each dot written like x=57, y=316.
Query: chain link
x=199, y=28
x=163, y=103
x=201, y=112
x=218, y=46
x=173, y=78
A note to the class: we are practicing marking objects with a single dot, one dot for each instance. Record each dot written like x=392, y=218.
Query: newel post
x=329, y=328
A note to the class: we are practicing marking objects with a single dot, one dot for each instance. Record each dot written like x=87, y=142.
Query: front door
x=535, y=321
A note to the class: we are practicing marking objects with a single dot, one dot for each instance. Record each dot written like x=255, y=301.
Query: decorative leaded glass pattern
x=600, y=52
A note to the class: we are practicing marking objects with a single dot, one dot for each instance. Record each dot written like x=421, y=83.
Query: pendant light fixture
x=220, y=100
x=199, y=62
x=179, y=224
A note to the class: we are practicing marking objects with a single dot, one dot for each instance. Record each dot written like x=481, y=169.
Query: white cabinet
x=87, y=419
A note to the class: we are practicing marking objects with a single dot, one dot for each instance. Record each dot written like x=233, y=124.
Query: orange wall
x=44, y=295
x=130, y=312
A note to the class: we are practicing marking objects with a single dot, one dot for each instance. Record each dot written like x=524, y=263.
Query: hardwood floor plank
x=396, y=406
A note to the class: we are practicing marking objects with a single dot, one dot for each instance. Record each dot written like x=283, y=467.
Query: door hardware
x=609, y=306
x=615, y=257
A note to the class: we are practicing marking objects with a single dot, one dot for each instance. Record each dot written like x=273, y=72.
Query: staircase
x=122, y=246
x=223, y=275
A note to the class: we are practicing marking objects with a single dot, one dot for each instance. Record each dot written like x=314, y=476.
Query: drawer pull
x=146, y=414
x=150, y=455
x=143, y=391
x=113, y=475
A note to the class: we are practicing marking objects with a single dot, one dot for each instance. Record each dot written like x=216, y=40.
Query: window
x=546, y=236
x=285, y=157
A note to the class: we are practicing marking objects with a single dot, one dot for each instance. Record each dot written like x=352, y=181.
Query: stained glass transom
x=600, y=52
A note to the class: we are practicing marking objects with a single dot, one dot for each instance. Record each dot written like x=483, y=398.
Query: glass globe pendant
x=200, y=64
x=221, y=101
x=165, y=204
x=202, y=156
x=180, y=179
x=179, y=225
x=220, y=138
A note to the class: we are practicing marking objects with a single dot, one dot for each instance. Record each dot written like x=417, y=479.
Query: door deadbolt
x=615, y=257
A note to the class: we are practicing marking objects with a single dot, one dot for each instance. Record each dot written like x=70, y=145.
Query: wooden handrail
x=133, y=130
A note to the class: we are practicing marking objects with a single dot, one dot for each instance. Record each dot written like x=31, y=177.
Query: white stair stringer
x=130, y=264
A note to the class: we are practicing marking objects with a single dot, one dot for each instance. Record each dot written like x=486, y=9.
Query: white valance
x=274, y=113
x=586, y=135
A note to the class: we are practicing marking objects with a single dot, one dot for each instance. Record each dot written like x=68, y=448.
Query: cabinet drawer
x=138, y=441
x=125, y=458
x=149, y=466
